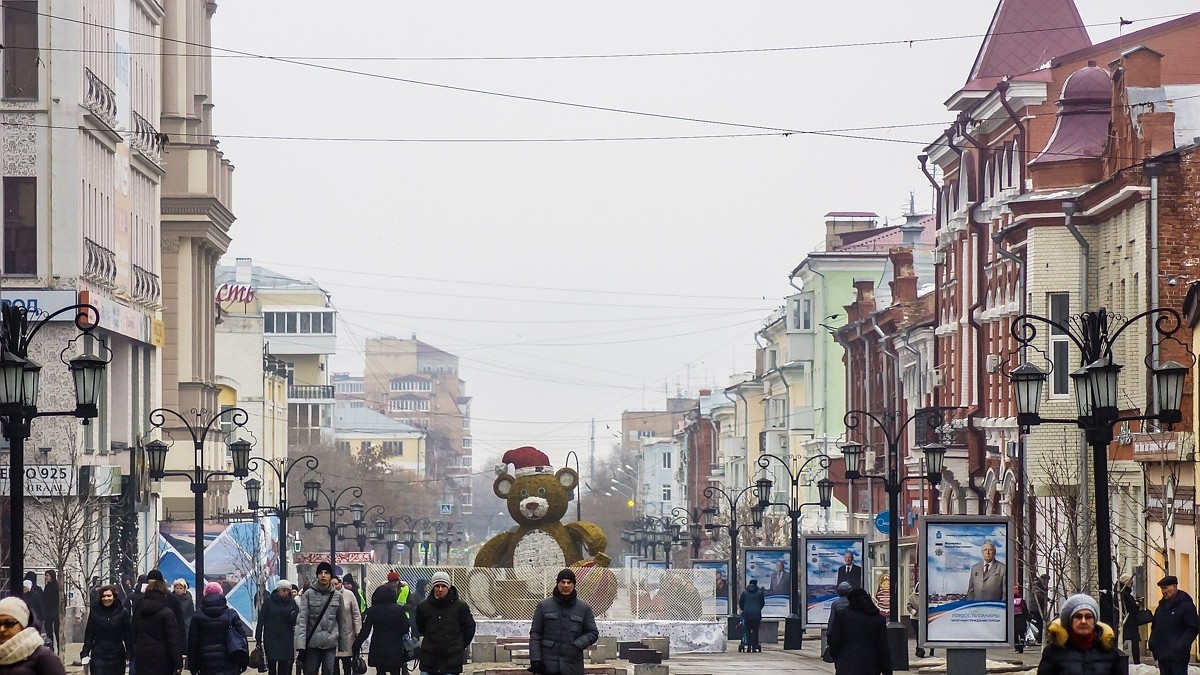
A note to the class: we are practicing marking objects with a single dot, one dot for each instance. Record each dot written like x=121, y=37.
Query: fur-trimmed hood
x=1107, y=638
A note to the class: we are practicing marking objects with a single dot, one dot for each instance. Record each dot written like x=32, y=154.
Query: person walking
x=751, y=603
x=1077, y=643
x=349, y=584
x=386, y=623
x=858, y=638
x=34, y=599
x=22, y=649
x=108, y=635
x=446, y=626
x=186, y=608
x=1130, y=630
x=319, y=631
x=563, y=626
x=914, y=614
x=208, y=638
x=1041, y=598
x=1173, y=629
x=157, y=637
x=276, y=629
x=1020, y=619
x=52, y=602
x=351, y=625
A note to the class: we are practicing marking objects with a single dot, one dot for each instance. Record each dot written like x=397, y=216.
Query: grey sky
x=689, y=240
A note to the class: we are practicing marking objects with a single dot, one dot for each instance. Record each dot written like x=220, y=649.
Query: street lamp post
x=935, y=455
x=282, y=467
x=415, y=527
x=385, y=531
x=792, y=625
x=733, y=529
x=1096, y=394
x=576, y=493
x=198, y=477
x=20, y=381
x=313, y=493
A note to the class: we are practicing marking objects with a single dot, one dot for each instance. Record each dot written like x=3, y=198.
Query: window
x=1060, y=344
x=645, y=433
x=393, y=448
x=666, y=493
x=410, y=385
x=21, y=49
x=227, y=428
x=398, y=405
x=802, y=313
x=344, y=446
x=666, y=460
x=20, y=223
x=466, y=442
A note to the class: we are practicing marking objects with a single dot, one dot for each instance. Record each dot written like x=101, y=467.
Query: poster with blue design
x=769, y=567
x=720, y=601
x=966, y=568
x=828, y=560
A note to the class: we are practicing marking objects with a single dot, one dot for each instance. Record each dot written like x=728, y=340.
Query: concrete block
x=660, y=644
x=483, y=652
x=768, y=633
x=501, y=654
x=651, y=669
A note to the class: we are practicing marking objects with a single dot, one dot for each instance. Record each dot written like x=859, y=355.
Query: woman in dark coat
x=157, y=645
x=108, y=636
x=1129, y=625
x=387, y=622
x=187, y=607
x=276, y=629
x=1078, y=644
x=858, y=638
x=22, y=650
x=208, y=638
x=751, y=603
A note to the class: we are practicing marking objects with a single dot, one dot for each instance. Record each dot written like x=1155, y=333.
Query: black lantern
x=853, y=452
x=707, y=514
x=1028, y=380
x=356, y=512
x=12, y=381
x=87, y=371
x=1168, y=384
x=694, y=531
x=360, y=529
x=763, y=485
x=1102, y=376
x=32, y=380
x=1083, y=393
x=393, y=537
x=309, y=515
x=240, y=449
x=253, y=492
x=312, y=488
x=825, y=490
x=935, y=459
x=156, y=458
x=380, y=529
x=756, y=514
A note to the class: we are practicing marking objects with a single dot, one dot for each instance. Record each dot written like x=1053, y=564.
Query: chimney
x=1142, y=66
x=911, y=232
x=838, y=224
x=243, y=272
x=865, y=302
x=705, y=392
x=904, y=278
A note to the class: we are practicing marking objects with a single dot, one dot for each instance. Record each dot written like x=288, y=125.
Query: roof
x=1025, y=34
x=367, y=421
x=1082, y=128
x=261, y=277
x=1181, y=99
x=851, y=214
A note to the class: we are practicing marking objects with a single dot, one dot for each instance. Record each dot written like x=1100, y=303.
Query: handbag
x=825, y=655
x=236, y=647
x=359, y=666
x=412, y=647
x=256, y=659
x=1143, y=617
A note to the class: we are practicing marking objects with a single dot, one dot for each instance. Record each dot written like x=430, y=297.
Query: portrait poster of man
x=965, y=567
x=828, y=561
x=720, y=585
x=769, y=567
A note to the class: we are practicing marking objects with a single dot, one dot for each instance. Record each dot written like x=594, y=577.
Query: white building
x=660, y=477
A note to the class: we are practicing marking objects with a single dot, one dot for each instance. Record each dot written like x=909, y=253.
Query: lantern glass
x=156, y=458
x=825, y=489
x=253, y=492
x=764, y=490
x=1168, y=382
x=1083, y=392
x=309, y=515
x=87, y=371
x=360, y=529
x=935, y=461
x=356, y=511
x=1028, y=381
x=410, y=537
x=707, y=514
x=380, y=529
x=853, y=452
x=756, y=515
x=312, y=488
x=12, y=380
x=32, y=380
x=393, y=537
x=240, y=450
x=1103, y=375
x=694, y=531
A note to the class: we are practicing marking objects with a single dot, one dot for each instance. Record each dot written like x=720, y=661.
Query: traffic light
x=296, y=545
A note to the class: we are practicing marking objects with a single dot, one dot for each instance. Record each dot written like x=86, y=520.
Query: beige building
x=359, y=430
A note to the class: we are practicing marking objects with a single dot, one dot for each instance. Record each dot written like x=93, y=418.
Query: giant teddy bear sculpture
x=524, y=560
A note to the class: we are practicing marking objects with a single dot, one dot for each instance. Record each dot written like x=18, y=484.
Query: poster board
x=769, y=567
x=720, y=602
x=965, y=598
x=825, y=565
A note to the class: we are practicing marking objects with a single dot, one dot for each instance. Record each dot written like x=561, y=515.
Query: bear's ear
x=567, y=478
x=503, y=485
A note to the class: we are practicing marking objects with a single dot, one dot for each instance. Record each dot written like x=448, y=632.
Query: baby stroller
x=744, y=645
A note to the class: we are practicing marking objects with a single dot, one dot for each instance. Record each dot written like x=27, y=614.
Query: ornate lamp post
x=576, y=493
x=793, y=633
x=893, y=429
x=282, y=467
x=20, y=382
x=386, y=532
x=1096, y=394
x=415, y=528
x=733, y=529
x=198, y=477
x=314, y=493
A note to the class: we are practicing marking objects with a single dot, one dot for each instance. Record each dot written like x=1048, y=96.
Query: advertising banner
x=965, y=565
x=828, y=561
x=769, y=567
x=720, y=601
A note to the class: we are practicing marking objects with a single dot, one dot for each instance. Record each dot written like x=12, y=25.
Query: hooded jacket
x=157, y=642
x=1062, y=657
x=108, y=636
x=752, y=602
x=562, y=628
x=447, y=627
x=276, y=628
x=208, y=637
x=858, y=638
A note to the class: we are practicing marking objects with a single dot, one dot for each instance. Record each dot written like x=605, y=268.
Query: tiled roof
x=1081, y=130
x=1027, y=33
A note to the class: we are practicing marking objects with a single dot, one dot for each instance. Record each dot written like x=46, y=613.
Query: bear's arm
x=492, y=552
x=592, y=538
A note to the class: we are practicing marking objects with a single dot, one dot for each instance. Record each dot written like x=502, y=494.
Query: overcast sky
x=578, y=279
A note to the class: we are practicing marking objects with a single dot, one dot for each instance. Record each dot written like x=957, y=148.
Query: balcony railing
x=146, y=138
x=311, y=391
x=147, y=289
x=99, y=264
x=99, y=98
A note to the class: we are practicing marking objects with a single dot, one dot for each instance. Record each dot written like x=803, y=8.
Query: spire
x=1025, y=34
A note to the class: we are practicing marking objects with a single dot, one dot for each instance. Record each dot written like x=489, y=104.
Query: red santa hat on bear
x=527, y=460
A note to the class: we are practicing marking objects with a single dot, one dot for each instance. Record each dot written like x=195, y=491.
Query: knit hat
x=1075, y=604
x=844, y=588
x=348, y=579
x=27, y=584
x=16, y=608
x=283, y=583
x=211, y=588
x=324, y=567
x=441, y=578
x=155, y=574
x=392, y=576
x=567, y=573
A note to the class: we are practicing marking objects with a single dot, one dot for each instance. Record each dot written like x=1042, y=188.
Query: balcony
x=99, y=99
x=146, y=139
x=99, y=264
x=716, y=470
x=147, y=289
x=310, y=392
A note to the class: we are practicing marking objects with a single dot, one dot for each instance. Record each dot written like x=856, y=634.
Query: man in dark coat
x=52, y=604
x=387, y=622
x=276, y=629
x=1173, y=629
x=858, y=638
x=563, y=626
x=751, y=603
x=446, y=626
x=34, y=598
x=157, y=637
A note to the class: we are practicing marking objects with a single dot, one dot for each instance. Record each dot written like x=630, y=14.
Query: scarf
x=20, y=646
x=1082, y=642
x=564, y=600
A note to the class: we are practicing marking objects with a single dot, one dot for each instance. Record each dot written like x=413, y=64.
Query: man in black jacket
x=563, y=626
x=1174, y=628
x=446, y=627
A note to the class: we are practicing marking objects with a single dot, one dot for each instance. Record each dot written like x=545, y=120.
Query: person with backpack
x=217, y=638
x=319, y=624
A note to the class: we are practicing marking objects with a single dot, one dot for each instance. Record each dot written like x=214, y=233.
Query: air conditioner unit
x=938, y=378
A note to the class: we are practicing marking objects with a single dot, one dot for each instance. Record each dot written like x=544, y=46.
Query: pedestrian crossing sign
x=447, y=509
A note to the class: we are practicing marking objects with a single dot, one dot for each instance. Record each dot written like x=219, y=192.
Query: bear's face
x=539, y=498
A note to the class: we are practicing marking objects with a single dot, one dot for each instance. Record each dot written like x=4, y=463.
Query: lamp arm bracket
x=51, y=413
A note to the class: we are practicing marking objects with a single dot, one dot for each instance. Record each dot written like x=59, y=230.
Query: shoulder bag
x=312, y=625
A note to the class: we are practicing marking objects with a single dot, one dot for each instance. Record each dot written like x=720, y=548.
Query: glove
x=537, y=667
